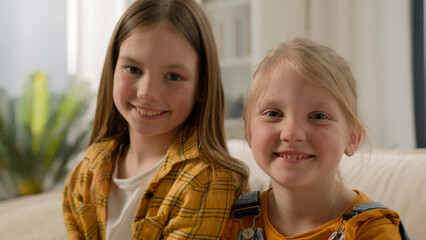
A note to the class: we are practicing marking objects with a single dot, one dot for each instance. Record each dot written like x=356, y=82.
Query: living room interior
x=382, y=40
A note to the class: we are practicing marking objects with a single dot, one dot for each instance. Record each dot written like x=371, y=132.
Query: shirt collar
x=185, y=147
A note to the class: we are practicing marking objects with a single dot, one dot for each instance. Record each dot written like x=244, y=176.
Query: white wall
x=32, y=37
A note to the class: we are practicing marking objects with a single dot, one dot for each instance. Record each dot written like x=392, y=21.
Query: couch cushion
x=258, y=180
x=36, y=216
x=396, y=178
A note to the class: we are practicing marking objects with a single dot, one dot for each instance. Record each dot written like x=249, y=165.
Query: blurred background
x=381, y=39
x=52, y=53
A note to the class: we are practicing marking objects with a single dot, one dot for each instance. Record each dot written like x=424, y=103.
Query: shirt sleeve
x=375, y=224
x=204, y=210
x=381, y=231
x=69, y=220
x=79, y=214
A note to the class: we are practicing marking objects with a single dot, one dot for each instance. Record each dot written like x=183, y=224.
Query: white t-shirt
x=123, y=200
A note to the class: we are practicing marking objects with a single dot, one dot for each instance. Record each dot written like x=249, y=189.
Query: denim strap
x=247, y=204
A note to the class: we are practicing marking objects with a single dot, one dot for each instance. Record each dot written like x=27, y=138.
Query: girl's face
x=299, y=132
x=155, y=81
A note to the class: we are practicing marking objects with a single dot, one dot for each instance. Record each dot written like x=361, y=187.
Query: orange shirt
x=373, y=224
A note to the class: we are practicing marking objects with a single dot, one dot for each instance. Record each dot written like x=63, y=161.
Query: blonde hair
x=317, y=64
x=189, y=20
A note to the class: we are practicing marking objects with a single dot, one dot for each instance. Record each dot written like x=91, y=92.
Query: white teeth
x=147, y=113
x=297, y=156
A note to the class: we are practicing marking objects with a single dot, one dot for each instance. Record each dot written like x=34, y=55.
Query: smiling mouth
x=293, y=156
x=148, y=112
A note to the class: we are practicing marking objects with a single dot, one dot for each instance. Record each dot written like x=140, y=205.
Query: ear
x=354, y=140
x=247, y=133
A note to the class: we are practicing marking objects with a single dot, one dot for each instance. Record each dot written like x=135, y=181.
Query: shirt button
x=148, y=194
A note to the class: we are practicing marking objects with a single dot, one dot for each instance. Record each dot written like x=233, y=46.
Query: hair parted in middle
x=189, y=20
x=316, y=64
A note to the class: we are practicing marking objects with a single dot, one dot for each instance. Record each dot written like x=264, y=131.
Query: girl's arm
x=195, y=207
x=383, y=230
x=79, y=214
x=204, y=212
x=374, y=224
x=70, y=223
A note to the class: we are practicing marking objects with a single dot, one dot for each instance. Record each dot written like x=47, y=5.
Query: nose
x=147, y=88
x=292, y=131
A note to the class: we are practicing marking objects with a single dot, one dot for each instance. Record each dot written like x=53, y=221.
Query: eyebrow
x=128, y=59
x=172, y=65
x=178, y=67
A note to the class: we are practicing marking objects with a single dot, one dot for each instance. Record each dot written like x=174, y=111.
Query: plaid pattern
x=182, y=201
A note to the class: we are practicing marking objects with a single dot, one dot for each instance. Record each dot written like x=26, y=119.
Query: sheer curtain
x=90, y=25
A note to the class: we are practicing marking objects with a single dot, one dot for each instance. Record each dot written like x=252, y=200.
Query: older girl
x=157, y=166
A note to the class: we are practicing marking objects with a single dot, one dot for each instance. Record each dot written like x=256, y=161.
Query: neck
x=294, y=211
x=143, y=153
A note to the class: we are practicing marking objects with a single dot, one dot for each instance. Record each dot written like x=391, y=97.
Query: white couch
x=396, y=178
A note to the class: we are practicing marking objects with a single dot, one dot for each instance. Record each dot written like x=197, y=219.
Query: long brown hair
x=207, y=115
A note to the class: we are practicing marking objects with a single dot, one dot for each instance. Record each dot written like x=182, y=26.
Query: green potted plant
x=38, y=136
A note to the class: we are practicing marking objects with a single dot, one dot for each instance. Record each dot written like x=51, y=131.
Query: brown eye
x=174, y=77
x=133, y=70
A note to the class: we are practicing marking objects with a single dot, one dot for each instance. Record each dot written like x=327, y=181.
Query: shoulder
x=203, y=175
x=101, y=150
x=376, y=223
x=97, y=153
x=97, y=158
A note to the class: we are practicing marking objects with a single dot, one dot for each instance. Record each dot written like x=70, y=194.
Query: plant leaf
x=39, y=108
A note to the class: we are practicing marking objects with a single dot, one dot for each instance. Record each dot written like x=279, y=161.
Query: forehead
x=160, y=43
x=161, y=35
x=285, y=85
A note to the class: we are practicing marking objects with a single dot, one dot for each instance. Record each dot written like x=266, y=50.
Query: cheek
x=331, y=138
x=116, y=91
x=122, y=86
x=121, y=93
x=183, y=98
x=262, y=138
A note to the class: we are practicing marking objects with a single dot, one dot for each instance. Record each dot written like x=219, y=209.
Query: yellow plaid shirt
x=181, y=202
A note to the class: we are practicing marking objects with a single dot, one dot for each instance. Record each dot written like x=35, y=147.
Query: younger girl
x=300, y=118
x=157, y=166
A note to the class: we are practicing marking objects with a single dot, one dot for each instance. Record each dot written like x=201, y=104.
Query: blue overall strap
x=375, y=205
x=247, y=204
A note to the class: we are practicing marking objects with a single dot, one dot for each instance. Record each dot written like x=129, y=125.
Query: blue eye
x=133, y=70
x=273, y=114
x=318, y=116
x=174, y=77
